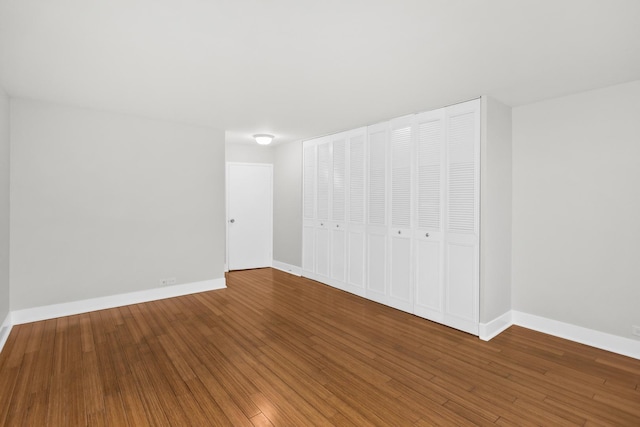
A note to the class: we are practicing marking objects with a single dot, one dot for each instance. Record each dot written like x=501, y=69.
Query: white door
x=378, y=136
x=400, y=292
x=338, y=210
x=323, y=191
x=462, y=217
x=249, y=215
x=356, y=213
x=428, y=232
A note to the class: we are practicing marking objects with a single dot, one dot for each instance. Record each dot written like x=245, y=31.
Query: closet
x=391, y=213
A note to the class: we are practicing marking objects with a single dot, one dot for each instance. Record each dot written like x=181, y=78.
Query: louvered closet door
x=462, y=216
x=400, y=289
x=356, y=211
x=309, y=174
x=429, y=208
x=377, y=143
x=337, y=225
x=323, y=199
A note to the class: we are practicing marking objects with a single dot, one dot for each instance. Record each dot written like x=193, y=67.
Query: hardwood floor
x=274, y=349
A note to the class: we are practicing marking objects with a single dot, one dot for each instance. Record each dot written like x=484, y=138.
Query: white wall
x=4, y=209
x=103, y=204
x=496, y=209
x=249, y=153
x=576, y=209
x=287, y=203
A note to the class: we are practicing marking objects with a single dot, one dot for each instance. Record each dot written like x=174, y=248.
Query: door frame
x=227, y=185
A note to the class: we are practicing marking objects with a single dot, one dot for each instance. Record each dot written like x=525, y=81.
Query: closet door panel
x=322, y=252
x=461, y=173
x=377, y=251
x=308, y=250
x=338, y=256
x=400, y=294
x=356, y=259
x=460, y=280
x=323, y=209
x=429, y=210
x=377, y=262
x=337, y=225
x=338, y=152
x=429, y=297
x=356, y=211
x=357, y=160
x=461, y=306
x=462, y=216
x=377, y=188
x=324, y=180
x=401, y=148
x=430, y=176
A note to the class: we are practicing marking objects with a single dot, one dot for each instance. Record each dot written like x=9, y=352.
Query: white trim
x=496, y=326
x=602, y=340
x=287, y=268
x=76, y=307
x=5, y=330
x=617, y=344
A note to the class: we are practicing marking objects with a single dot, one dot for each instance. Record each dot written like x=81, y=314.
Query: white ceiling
x=299, y=68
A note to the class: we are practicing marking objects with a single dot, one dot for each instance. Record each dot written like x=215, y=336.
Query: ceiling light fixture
x=263, y=138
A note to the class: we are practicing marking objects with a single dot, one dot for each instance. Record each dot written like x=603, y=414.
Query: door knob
x=232, y=221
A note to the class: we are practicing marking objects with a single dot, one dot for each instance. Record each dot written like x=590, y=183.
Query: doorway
x=249, y=215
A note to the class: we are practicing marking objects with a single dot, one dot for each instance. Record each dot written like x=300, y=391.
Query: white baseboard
x=5, y=330
x=77, y=307
x=602, y=340
x=614, y=343
x=495, y=327
x=287, y=268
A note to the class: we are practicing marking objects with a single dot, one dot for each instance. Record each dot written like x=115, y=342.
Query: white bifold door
x=391, y=212
x=333, y=210
x=428, y=232
x=462, y=214
x=356, y=211
x=337, y=225
x=446, y=231
x=377, y=223
x=401, y=176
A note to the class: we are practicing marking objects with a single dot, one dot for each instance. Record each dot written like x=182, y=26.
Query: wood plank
x=275, y=349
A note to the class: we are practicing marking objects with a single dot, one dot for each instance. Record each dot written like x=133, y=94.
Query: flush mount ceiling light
x=263, y=138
